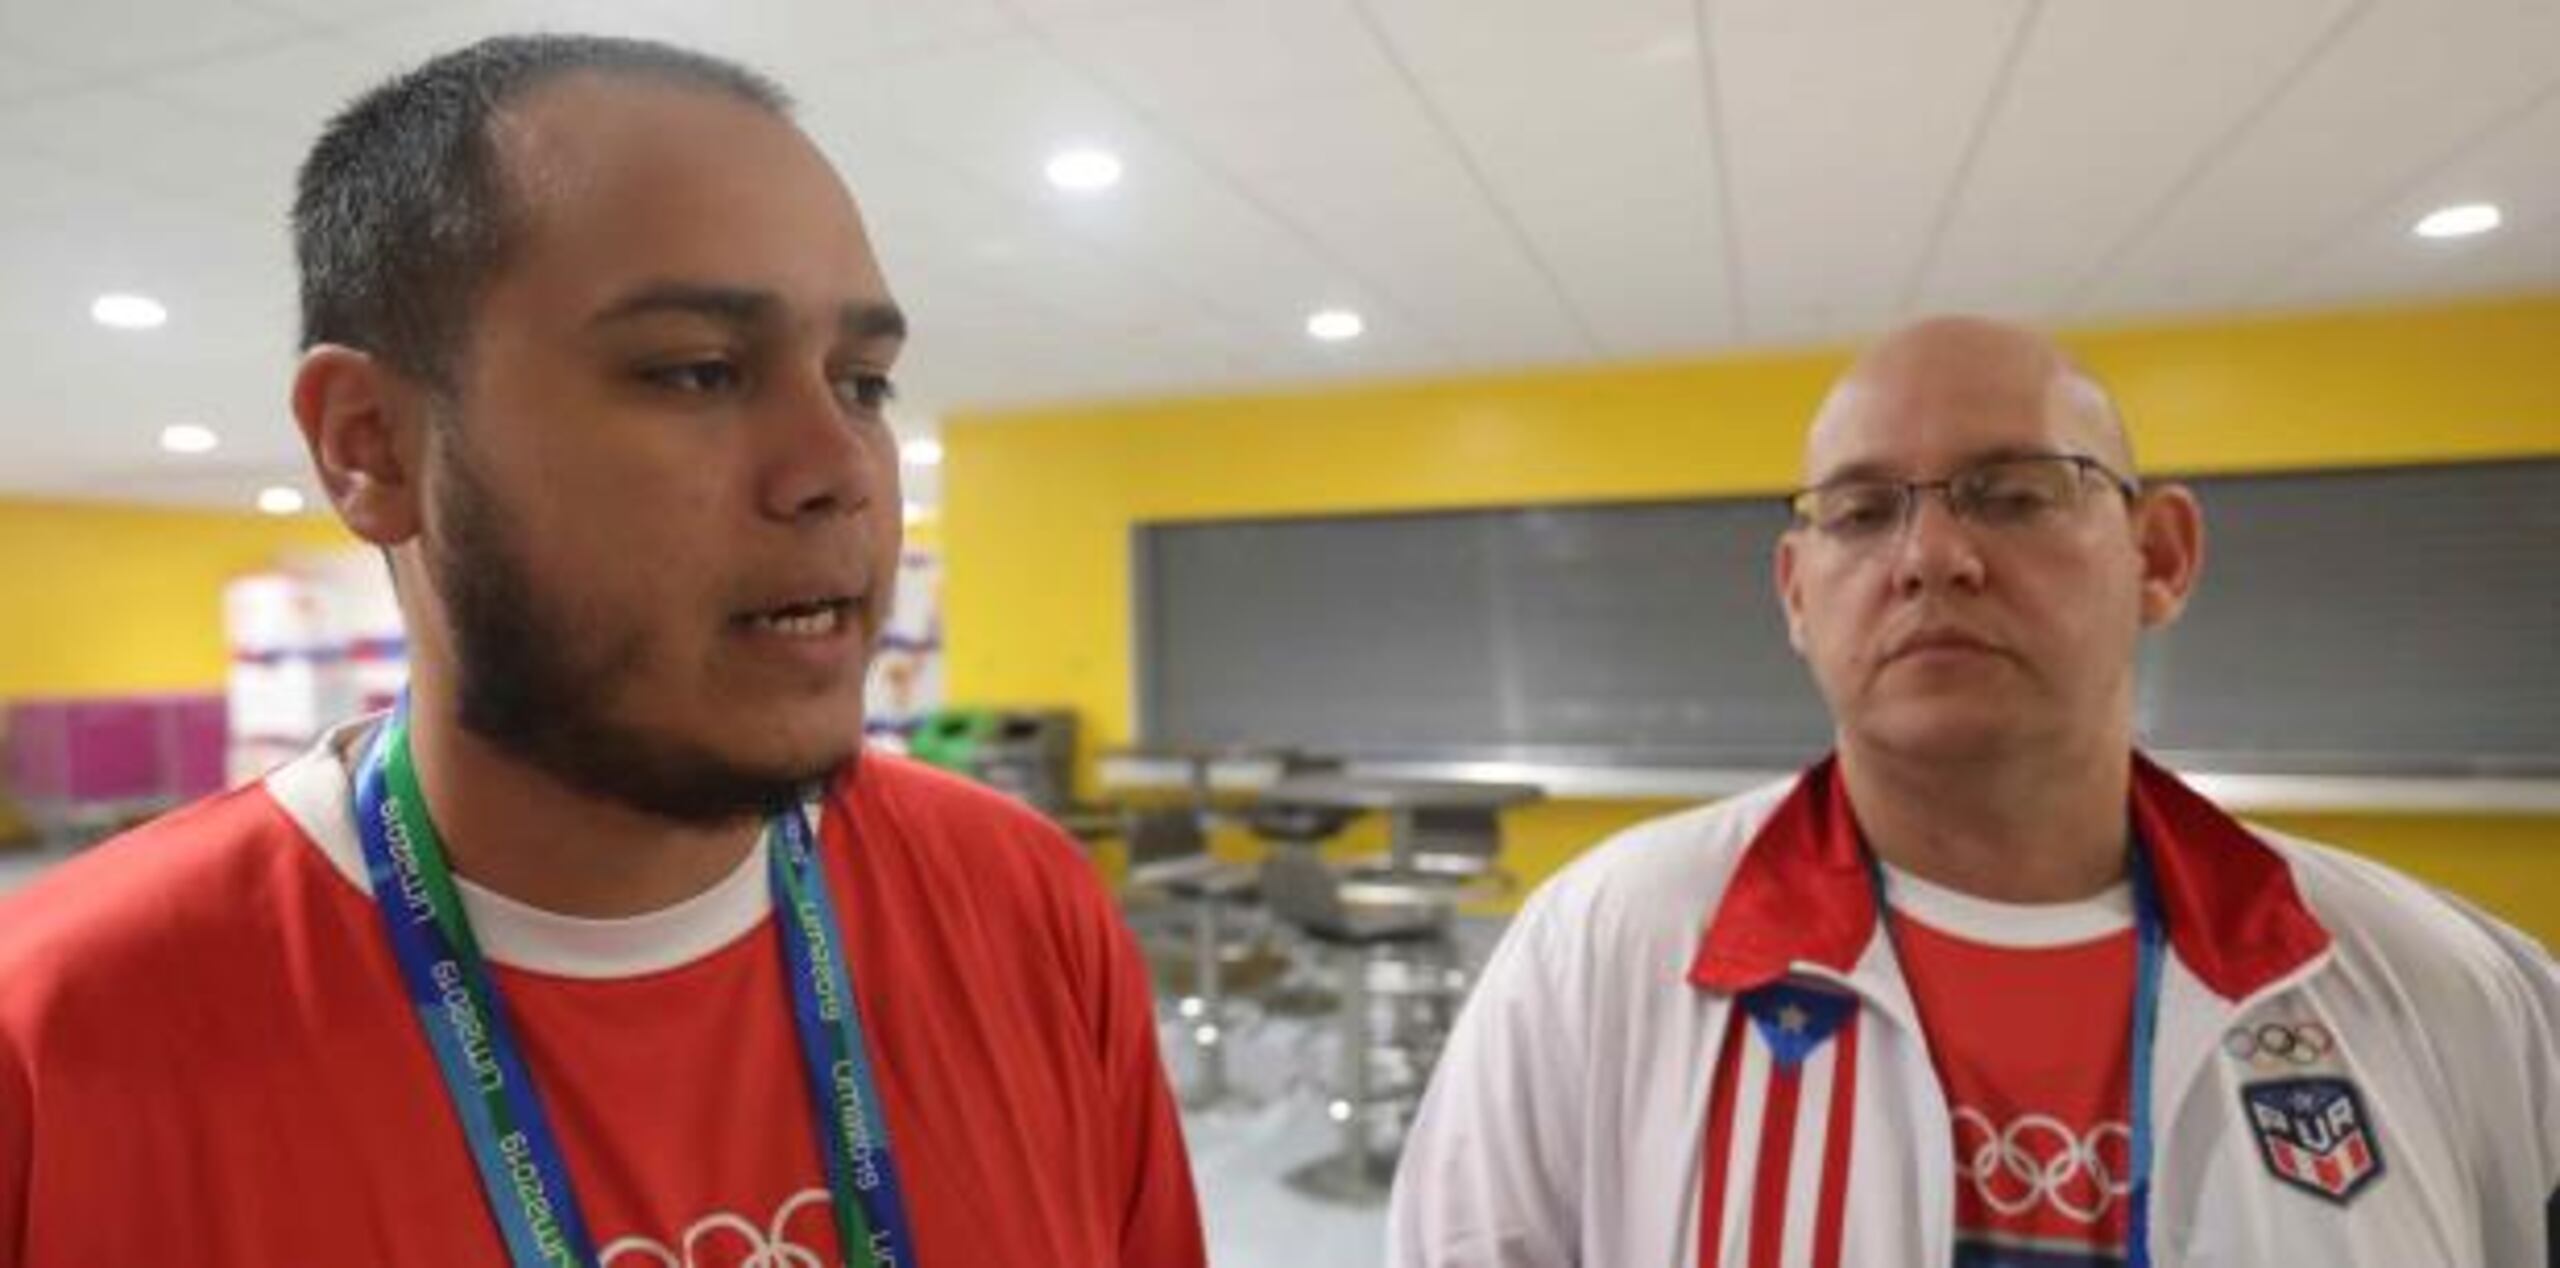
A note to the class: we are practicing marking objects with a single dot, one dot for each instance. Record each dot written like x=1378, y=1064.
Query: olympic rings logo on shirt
x=2275, y=1045
x=747, y=1246
x=2040, y=1160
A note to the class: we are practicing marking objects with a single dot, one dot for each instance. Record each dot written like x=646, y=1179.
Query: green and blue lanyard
x=2150, y=954
x=511, y=1139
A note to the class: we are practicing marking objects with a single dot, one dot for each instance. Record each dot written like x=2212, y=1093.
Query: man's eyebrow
x=864, y=322
x=728, y=305
x=1864, y=469
x=1876, y=469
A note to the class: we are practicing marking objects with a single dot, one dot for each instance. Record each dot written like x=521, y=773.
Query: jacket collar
x=1801, y=895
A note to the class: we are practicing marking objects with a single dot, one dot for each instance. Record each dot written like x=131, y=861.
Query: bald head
x=1960, y=388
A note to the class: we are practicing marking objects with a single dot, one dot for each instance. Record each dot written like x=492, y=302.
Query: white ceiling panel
x=402, y=37
x=2109, y=108
x=1368, y=175
x=1847, y=126
x=1608, y=190
x=1046, y=11
x=21, y=78
x=107, y=37
x=2410, y=84
x=1215, y=54
x=157, y=148
x=1000, y=110
x=1492, y=183
x=290, y=88
x=795, y=40
x=2516, y=168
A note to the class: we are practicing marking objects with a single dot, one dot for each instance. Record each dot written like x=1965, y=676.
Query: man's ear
x=1790, y=595
x=2168, y=536
x=365, y=426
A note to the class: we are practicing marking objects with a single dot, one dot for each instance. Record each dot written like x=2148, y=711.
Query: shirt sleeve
x=1490, y=1172
x=1160, y=1220
x=17, y=1149
x=2522, y=1177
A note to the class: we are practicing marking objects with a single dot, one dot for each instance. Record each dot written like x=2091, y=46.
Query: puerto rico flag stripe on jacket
x=1779, y=1123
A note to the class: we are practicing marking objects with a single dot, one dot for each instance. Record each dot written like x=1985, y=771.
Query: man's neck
x=513, y=829
x=2045, y=831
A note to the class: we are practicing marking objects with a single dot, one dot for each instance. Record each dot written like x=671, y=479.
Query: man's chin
x=1945, y=734
x=684, y=781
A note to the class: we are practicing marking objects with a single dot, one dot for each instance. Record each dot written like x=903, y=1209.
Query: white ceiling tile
x=110, y=36
x=1008, y=94
x=1225, y=53
x=2406, y=87
x=22, y=77
x=1495, y=184
x=1608, y=188
x=159, y=148
x=1844, y=126
x=293, y=86
x=1366, y=176
x=2379, y=256
x=1623, y=209
x=2086, y=141
x=1052, y=11
x=409, y=35
x=801, y=40
x=346, y=14
x=998, y=111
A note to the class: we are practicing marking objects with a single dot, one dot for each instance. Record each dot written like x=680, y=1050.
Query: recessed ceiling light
x=1334, y=325
x=923, y=451
x=188, y=438
x=1084, y=170
x=277, y=499
x=2459, y=221
x=128, y=312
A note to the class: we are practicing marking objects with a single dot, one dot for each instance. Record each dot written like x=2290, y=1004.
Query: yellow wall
x=103, y=599
x=1038, y=505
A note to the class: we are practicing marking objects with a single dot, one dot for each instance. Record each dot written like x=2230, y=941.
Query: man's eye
x=867, y=391
x=2008, y=503
x=697, y=377
x=1862, y=511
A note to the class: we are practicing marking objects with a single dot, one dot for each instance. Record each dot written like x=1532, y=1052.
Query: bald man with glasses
x=1985, y=986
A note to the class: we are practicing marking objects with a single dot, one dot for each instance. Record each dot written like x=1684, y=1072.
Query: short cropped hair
x=401, y=212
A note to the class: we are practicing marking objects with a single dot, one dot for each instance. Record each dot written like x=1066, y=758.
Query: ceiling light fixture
x=2459, y=221
x=277, y=499
x=1084, y=170
x=128, y=312
x=1333, y=325
x=188, y=438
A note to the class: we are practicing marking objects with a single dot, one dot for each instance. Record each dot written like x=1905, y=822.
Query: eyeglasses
x=2006, y=493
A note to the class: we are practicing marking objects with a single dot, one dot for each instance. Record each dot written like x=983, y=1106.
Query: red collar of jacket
x=1801, y=893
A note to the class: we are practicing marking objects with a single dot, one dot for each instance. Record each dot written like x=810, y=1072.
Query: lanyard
x=518, y=1156
x=2150, y=948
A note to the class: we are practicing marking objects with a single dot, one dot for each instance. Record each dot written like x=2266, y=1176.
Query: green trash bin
x=952, y=738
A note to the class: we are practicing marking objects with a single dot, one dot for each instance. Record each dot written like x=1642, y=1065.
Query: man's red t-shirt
x=207, y=1056
x=2029, y=1013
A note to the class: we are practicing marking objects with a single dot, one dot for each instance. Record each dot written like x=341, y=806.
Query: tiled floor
x=1241, y=1156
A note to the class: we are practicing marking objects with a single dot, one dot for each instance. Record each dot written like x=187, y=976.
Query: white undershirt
x=1999, y=924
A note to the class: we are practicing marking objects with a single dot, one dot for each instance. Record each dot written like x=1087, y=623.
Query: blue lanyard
x=522, y=1174
x=2150, y=952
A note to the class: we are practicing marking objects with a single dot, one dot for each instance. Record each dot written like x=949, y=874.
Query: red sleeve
x=1160, y=1222
x=17, y=1149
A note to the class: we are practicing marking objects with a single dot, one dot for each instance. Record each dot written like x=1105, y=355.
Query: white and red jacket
x=1694, y=1047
